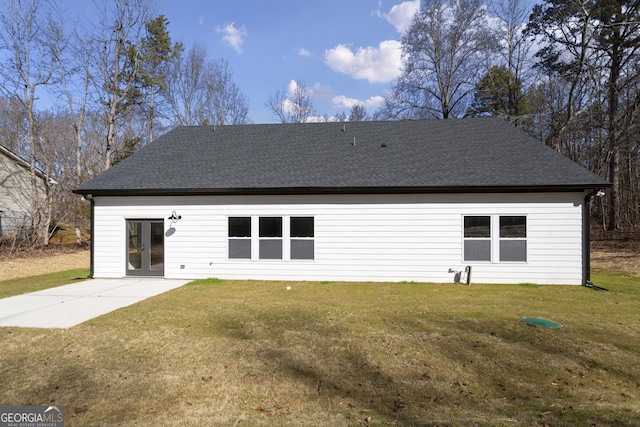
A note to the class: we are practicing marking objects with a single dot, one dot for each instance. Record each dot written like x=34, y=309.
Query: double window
x=271, y=238
x=483, y=243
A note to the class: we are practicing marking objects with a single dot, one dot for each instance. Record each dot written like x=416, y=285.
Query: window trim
x=239, y=238
x=466, y=239
x=311, y=238
x=512, y=239
x=286, y=239
x=280, y=238
x=495, y=239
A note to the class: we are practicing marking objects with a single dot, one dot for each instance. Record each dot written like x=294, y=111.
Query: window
x=513, y=238
x=240, y=237
x=302, y=233
x=270, y=237
x=508, y=245
x=477, y=238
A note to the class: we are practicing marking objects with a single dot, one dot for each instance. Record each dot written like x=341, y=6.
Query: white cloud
x=304, y=52
x=319, y=119
x=376, y=65
x=321, y=91
x=316, y=90
x=342, y=101
x=233, y=36
x=401, y=15
x=291, y=87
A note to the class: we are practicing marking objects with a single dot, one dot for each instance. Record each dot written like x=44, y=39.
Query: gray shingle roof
x=481, y=154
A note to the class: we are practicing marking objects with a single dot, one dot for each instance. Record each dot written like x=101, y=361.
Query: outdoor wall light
x=174, y=218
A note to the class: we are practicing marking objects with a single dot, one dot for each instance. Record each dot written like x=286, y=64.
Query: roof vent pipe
x=354, y=141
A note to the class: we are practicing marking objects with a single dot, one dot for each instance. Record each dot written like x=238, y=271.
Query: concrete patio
x=70, y=305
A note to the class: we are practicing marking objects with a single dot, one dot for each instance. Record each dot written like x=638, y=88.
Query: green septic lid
x=539, y=322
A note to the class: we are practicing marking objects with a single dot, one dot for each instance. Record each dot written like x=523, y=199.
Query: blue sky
x=344, y=51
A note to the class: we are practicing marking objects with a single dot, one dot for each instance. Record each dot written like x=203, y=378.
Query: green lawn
x=248, y=352
x=31, y=284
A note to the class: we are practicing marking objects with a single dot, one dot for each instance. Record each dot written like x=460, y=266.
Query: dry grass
x=621, y=260
x=42, y=263
x=242, y=352
x=238, y=352
x=617, y=252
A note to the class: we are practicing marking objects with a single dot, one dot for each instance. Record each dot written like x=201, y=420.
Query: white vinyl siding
x=356, y=237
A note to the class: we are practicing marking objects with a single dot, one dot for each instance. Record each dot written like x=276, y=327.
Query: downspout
x=586, y=242
x=89, y=197
x=586, y=237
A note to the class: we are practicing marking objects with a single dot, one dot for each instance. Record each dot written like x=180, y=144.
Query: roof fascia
x=339, y=190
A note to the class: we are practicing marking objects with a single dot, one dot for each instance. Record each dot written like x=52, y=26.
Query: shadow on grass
x=495, y=371
x=360, y=374
x=546, y=375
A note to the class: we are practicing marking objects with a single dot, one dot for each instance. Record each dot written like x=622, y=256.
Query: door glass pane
x=156, y=246
x=134, y=251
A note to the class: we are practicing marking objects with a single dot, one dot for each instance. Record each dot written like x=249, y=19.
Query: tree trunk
x=613, y=136
x=32, y=233
x=151, y=112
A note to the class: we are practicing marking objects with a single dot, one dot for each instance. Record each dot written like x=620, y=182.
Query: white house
x=359, y=201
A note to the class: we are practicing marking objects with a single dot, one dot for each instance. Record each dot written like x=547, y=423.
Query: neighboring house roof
x=458, y=155
x=22, y=163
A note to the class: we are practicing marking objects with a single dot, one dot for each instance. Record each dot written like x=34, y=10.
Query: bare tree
x=442, y=52
x=227, y=105
x=595, y=44
x=31, y=37
x=199, y=91
x=292, y=104
x=515, y=50
x=358, y=114
x=75, y=83
x=12, y=120
x=513, y=46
